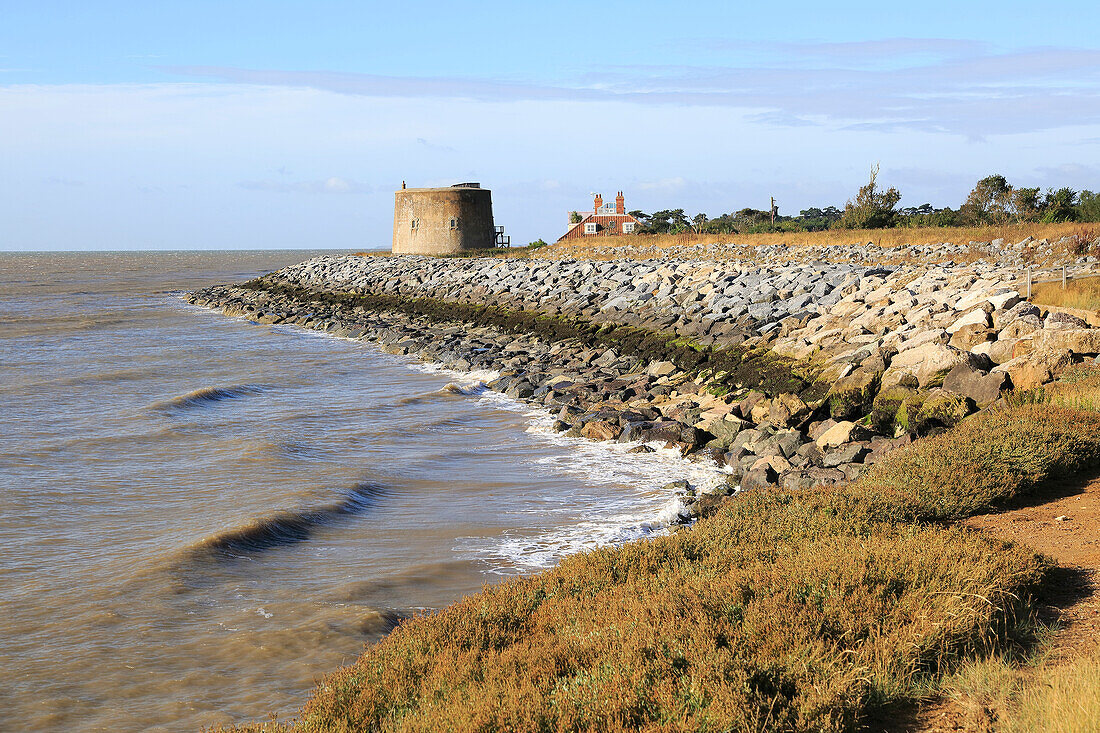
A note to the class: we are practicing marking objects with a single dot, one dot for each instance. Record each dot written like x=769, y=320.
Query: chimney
x=620, y=204
x=599, y=202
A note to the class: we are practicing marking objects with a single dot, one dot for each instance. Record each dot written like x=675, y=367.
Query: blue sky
x=127, y=125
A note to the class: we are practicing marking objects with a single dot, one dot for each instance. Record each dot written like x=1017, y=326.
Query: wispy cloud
x=929, y=85
x=433, y=147
x=335, y=184
x=62, y=181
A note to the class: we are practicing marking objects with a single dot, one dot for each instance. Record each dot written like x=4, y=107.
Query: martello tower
x=438, y=221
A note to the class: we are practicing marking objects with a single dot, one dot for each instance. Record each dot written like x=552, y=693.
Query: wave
x=206, y=395
x=283, y=528
x=469, y=389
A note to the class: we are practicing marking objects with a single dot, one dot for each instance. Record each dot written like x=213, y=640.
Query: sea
x=201, y=516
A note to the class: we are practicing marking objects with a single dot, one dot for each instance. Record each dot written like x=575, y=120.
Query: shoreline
x=898, y=354
x=794, y=375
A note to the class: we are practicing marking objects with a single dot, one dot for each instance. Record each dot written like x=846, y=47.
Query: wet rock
x=601, y=430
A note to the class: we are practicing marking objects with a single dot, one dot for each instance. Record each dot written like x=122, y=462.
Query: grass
x=982, y=463
x=1035, y=698
x=881, y=237
x=1063, y=699
x=1079, y=294
x=787, y=612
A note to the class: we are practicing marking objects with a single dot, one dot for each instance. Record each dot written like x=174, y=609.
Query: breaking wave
x=206, y=395
x=285, y=527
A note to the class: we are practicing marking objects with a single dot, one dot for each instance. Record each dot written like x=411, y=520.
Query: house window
x=454, y=223
x=628, y=227
x=415, y=224
x=590, y=228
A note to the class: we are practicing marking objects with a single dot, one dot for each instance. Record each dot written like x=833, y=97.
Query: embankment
x=796, y=374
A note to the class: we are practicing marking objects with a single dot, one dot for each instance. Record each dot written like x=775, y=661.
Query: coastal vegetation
x=1082, y=294
x=800, y=611
x=894, y=237
x=992, y=202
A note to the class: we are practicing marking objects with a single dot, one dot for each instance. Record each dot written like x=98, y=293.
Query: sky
x=215, y=125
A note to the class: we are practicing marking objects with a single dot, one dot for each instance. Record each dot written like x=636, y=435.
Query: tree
x=574, y=217
x=872, y=207
x=1088, y=206
x=1026, y=204
x=1060, y=205
x=668, y=221
x=989, y=201
x=698, y=222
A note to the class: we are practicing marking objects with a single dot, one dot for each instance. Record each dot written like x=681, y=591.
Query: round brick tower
x=439, y=221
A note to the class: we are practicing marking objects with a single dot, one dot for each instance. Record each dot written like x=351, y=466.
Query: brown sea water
x=199, y=516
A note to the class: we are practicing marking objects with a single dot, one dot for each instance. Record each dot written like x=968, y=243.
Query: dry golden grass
x=786, y=612
x=1041, y=697
x=1062, y=699
x=881, y=237
x=1079, y=294
x=1078, y=388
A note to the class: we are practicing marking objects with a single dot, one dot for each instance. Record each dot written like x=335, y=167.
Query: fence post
x=1063, y=277
x=1029, y=282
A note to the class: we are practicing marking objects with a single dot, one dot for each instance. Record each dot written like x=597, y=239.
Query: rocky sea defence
x=797, y=372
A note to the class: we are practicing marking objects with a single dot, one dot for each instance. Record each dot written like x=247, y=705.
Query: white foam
x=644, y=510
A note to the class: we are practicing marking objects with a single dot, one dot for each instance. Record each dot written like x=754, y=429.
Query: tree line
x=993, y=201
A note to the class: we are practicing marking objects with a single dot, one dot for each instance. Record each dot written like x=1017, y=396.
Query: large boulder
x=967, y=337
x=973, y=383
x=843, y=432
x=852, y=395
x=1036, y=368
x=895, y=407
x=928, y=364
x=976, y=317
x=781, y=411
x=1077, y=340
x=998, y=351
x=724, y=431
x=758, y=478
x=1059, y=320
x=940, y=409
x=600, y=430
x=1021, y=309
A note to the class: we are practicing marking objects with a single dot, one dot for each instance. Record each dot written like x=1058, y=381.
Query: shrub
x=991, y=458
x=872, y=208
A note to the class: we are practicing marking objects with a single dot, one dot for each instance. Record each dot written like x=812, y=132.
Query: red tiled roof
x=603, y=223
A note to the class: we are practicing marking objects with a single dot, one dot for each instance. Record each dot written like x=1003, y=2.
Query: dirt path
x=1063, y=523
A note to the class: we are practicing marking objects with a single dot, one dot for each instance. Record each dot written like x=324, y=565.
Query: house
x=604, y=220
